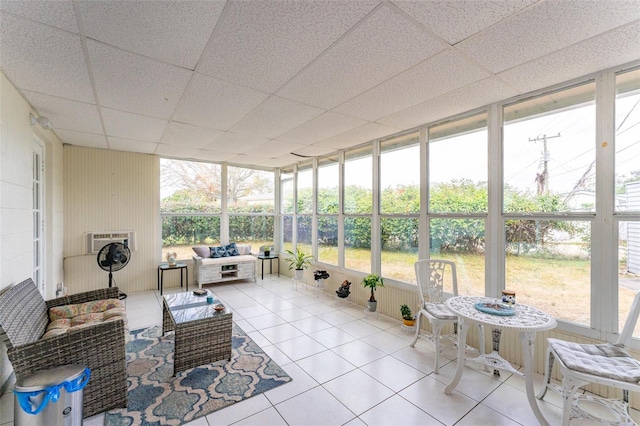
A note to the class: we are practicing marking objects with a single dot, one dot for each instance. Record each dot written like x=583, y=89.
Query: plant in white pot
x=372, y=281
x=298, y=260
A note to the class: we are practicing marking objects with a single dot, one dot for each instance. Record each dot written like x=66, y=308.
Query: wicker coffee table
x=202, y=335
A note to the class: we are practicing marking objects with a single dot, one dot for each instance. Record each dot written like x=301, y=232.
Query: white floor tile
x=359, y=328
x=358, y=391
x=325, y=366
x=280, y=333
x=319, y=308
x=397, y=411
x=294, y=314
x=358, y=353
x=300, y=383
x=417, y=357
x=276, y=355
x=265, y=321
x=252, y=311
x=513, y=403
x=386, y=342
x=428, y=395
x=332, y=337
x=268, y=417
x=239, y=411
x=300, y=347
x=6, y=408
x=314, y=407
x=337, y=317
x=393, y=373
x=311, y=324
x=483, y=412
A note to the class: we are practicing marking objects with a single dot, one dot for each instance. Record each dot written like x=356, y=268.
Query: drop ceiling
x=263, y=83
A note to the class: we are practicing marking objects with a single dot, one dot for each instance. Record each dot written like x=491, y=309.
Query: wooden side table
x=164, y=266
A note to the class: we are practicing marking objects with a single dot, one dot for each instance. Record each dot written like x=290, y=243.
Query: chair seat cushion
x=604, y=360
x=439, y=310
x=67, y=317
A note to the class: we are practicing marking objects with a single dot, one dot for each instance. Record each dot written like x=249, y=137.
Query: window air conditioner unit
x=98, y=239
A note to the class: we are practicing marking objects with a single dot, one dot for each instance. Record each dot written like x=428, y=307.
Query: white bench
x=215, y=270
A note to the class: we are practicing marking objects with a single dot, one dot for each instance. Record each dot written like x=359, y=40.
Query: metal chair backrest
x=431, y=274
x=630, y=323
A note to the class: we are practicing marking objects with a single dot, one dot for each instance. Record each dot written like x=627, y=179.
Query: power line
x=542, y=179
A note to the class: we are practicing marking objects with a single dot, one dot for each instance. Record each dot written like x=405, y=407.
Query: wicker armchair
x=23, y=320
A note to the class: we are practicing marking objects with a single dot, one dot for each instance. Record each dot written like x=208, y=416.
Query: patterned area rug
x=157, y=398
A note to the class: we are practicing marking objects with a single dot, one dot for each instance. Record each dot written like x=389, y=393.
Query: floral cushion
x=65, y=318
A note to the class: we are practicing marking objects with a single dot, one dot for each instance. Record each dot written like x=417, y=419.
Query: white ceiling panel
x=270, y=41
x=276, y=116
x=455, y=20
x=121, y=144
x=357, y=136
x=464, y=99
x=215, y=155
x=59, y=14
x=43, y=59
x=545, y=27
x=246, y=160
x=275, y=148
x=132, y=126
x=281, y=161
x=171, y=31
x=322, y=127
x=605, y=51
x=235, y=143
x=178, y=151
x=66, y=114
x=440, y=74
x=314, y=150
x=379, y=48
x=134, y=83
x=82, y=139
x=213, y=103
x=182, y=134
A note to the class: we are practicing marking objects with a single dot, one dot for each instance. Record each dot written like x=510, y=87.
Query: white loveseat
x=208, y=270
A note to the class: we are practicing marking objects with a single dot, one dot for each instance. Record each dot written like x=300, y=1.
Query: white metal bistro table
x=527, y=321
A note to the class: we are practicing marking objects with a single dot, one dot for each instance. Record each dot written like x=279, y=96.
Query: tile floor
x=348, y=368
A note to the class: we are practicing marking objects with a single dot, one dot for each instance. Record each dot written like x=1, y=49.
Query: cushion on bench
x=64, y=318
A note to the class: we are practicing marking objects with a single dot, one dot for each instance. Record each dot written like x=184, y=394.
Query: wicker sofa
x=24, y=316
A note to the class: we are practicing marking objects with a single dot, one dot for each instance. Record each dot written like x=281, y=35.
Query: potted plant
x=298, y=260
x=407, y=316
x=372, y=281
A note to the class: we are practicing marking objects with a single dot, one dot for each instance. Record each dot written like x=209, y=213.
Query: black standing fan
x=113, y=257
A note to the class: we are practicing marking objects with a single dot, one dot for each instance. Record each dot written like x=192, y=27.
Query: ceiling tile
x=379, y=48
x=246, y=160
x=322, y=127
x=171, y=31
x=464, y=99
x=43, y=59
x=209, y=102
x=314, y=150
x=605, y=51
x=132, y=126
x=276, y=116
x=357, y=136
x=136, y=84
x=275, y=148
x=121, y=144
x=59, y=14
x=270, y=41
x=235, y=143
x=455, y=20
x=545, y=27
x=442, y=73
x=82, y=139
x=215, y=155
x=178, y=151
x=187, y=135
x=66, y=114
x=282, y=161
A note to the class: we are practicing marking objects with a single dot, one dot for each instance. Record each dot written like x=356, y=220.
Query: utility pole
x=543, y=179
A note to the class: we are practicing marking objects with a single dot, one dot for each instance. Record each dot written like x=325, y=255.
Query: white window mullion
x=423, y=221
x=494, y=228
x=375, y=211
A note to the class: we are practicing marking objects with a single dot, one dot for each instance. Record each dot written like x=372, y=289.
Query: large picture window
x=328, y=209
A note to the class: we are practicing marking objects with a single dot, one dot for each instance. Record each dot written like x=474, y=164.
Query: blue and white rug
x=157, y=398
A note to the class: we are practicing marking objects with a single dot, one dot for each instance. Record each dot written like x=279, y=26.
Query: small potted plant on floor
x=407, y=316
x=298, y=260
x=372, y=281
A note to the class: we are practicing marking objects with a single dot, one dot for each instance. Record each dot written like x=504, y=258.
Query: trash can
x=51, y=397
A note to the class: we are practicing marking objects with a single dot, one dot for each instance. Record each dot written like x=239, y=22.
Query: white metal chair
x=430, y=274
x=608, y=364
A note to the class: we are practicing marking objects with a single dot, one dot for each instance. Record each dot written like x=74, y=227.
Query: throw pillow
x=202, y=251
x=218, y=251
x=232, y=250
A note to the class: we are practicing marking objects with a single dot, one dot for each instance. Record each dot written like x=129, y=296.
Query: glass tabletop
x=271, y=256
x=186, y=307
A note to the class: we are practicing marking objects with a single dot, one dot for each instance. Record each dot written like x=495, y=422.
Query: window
x=458, y=200
x=399, y=206
x=549, y=167
x=328, y=209
x=190, y=205
x=250, y=206
x=358, y=202
x=549, y=152
x=357, y=243
x=286, y=208
x=628, y=269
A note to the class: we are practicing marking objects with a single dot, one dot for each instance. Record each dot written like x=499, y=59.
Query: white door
x=38, y=216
